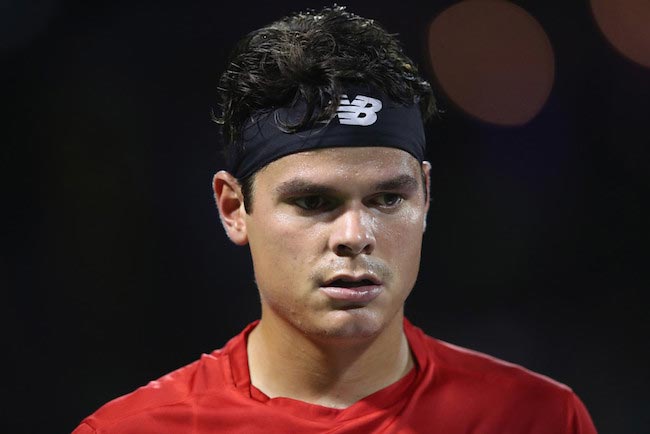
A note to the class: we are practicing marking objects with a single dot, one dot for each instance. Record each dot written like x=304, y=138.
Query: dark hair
x=312, y=56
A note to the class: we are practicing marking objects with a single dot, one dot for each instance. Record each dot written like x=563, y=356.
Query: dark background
x=115, y=269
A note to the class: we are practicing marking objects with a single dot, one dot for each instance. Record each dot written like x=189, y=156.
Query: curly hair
x=312, y=56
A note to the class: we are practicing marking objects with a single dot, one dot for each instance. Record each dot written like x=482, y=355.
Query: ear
x=230, y=201
x=426, y=171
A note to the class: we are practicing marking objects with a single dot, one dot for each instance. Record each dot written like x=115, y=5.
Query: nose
x=353, y=234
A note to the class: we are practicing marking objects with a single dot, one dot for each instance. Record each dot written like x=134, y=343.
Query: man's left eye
x=388, y=199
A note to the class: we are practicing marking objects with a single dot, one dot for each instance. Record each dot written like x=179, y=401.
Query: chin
x=351, y=324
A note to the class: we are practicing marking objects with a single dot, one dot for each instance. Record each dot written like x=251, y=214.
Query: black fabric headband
x=363, y=118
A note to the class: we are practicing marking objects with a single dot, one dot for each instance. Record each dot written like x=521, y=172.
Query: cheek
x=402, y=237
x=284, y=253
x=404, y=227
x=295, y=240
x=281, y=247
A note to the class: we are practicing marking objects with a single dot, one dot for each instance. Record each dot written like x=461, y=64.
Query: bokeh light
x=493, y=60
x=626, y=25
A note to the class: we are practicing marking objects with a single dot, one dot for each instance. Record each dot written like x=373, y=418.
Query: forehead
x=348, y=166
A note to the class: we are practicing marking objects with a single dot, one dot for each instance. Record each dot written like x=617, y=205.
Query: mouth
x=343, y=283
x=355, y=289
x=352, y=281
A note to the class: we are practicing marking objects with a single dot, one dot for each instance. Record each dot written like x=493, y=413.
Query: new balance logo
x=362, y=111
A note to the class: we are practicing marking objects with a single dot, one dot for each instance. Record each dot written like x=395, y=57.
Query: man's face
x=335, y=236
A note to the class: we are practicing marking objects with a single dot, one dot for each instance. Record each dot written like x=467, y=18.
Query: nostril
x=342, y=249
x=351, y=250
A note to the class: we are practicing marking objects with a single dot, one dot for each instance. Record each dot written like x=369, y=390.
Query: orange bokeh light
x=626, y=24
x=493, y=60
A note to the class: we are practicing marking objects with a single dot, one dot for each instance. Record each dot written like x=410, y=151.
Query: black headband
x=364, y=118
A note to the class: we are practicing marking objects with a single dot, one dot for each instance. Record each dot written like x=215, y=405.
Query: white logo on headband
x=362, y=111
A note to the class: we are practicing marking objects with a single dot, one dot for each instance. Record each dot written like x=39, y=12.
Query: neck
x=284, y=362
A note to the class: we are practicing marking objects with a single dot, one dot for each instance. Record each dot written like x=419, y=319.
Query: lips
x=351, y=283
x=355, y=289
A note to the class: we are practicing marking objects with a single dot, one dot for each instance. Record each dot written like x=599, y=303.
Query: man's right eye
x=311, y=203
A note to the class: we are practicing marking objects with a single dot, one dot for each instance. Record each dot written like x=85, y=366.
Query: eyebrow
x=296, y=187
x=299, y=186
x=401, y=182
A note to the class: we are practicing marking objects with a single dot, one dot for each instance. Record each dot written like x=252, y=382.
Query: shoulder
x=453, y=362
x=166, y=405
x=485, y=389
x=160, y=404
x=172, y=392
x=457, y=361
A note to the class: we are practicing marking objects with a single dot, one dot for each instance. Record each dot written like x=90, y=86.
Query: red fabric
x=450, y=391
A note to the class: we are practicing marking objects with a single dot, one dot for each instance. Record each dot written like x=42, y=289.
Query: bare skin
x=285, y=363
x=335, y=237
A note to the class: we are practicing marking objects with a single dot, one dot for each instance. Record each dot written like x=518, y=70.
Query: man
x=322, y=117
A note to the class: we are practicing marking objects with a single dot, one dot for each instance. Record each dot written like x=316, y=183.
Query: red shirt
x=451, y=390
